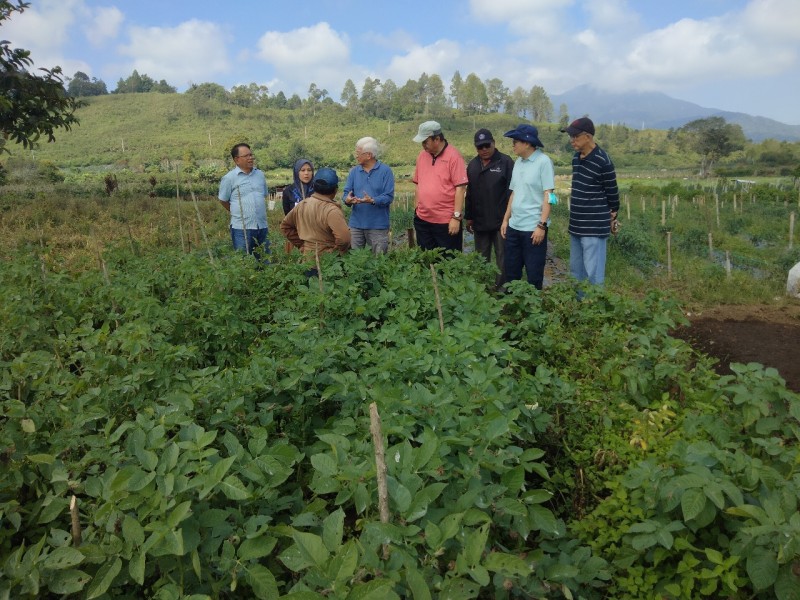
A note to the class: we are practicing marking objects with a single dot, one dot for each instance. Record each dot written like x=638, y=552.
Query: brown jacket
x=317, y=223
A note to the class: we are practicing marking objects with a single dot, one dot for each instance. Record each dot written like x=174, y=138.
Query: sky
x=736, y=55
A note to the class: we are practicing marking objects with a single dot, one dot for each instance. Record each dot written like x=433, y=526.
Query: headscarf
x=302, y=190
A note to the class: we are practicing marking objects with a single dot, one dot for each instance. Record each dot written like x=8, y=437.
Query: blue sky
x=738, y=55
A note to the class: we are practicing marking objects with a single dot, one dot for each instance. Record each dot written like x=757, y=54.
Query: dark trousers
x=520, y=251
x=435, y=235
x=485, y=241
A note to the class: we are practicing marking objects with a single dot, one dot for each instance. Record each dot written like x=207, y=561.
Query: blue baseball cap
x=325, y=179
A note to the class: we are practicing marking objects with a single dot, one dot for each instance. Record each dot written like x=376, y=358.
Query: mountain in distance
x=654, y=110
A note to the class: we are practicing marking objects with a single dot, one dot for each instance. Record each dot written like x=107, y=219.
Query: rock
x=793, y=282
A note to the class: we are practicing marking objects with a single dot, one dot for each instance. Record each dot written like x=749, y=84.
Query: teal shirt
x=530, y=178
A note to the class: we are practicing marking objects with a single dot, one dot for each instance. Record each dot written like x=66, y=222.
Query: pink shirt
x=436, y=181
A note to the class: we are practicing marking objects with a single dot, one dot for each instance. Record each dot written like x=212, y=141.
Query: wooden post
x=380, y=468
x=178, y=203
x=669, y=254
x=716, y=200
x=200, y=223
x=76, y=523
x=663, y=212
x=627, y=207
x=438, y=298
x=791, y=230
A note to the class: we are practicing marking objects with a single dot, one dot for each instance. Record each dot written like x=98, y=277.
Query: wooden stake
x=178, y=203
x=76, y=523
x=663, y=212
x=710, y=246
x=791, y=230
x=438, y=298
x=669, y=254
x=200, y=222
x=319, y=269
x=380, y=468
x=728, y=263
x=716, y=200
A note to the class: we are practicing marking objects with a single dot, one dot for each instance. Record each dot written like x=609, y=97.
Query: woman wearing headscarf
x=302, y=186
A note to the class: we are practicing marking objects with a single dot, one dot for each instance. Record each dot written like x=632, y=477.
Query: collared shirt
x=594, y=194
x=317, y=224
x=378, y=182
x=531, y=177
x=247, y=193
x=437, y=179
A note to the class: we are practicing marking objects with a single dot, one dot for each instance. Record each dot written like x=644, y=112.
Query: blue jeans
x=257, y=241
x=587, y=258
x=521, y=251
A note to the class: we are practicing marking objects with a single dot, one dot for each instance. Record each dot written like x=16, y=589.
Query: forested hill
x=133, y=130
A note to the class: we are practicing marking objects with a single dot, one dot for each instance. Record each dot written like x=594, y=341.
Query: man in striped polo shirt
x=594, y=203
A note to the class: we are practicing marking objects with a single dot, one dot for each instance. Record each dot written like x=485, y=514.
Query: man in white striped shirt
x=594, y=203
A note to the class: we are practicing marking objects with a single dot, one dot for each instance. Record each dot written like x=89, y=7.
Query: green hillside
x=135, y=131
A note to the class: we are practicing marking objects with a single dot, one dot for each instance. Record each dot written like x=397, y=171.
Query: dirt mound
x=769, y=335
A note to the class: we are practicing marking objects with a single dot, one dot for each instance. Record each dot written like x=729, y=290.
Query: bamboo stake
x=200, y=222
x=791, y=230
x=663, y=212
x=241, y=213
x=716, y=199
x=710, y=246
x=669, y=254
x=380, y=468
x=438, y=298
x=628, y=207
x=178, y=203
x=76, y=523
x=319, y=269
x=728, y=263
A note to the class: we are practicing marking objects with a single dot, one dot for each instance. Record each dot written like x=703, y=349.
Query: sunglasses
x=483, y=146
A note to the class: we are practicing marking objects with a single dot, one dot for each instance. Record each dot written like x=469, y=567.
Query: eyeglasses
x=245, y=155
x=484, y=146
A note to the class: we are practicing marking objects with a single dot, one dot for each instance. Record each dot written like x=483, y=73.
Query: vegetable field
x=173, y=427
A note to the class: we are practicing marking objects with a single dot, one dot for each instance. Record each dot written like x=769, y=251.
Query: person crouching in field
x=317, y=224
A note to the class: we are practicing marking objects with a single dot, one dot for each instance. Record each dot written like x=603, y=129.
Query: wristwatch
x=457, y=215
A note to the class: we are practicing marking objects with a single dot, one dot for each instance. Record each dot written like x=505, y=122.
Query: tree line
x=380, y=99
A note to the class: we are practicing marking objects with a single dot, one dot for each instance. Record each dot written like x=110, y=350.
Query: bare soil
x=769, y=335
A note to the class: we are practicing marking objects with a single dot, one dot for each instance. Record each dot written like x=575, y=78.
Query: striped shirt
x=594, y=194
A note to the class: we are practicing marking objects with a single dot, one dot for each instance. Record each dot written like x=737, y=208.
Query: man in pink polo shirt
x=441, y=179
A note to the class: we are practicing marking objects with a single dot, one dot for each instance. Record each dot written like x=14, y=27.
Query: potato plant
x=211, y=422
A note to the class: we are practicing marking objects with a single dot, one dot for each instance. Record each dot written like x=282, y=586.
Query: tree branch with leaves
x=31, y=105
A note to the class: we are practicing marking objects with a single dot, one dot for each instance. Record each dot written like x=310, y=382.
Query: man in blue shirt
x=369, y=190
x=243, y=192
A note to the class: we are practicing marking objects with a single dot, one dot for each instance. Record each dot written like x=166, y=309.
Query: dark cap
x=483, y=136
x=582, y=125
x=526, y=133
x=326, y=180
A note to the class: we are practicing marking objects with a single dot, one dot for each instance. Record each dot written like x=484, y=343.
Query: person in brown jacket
x=317, y=223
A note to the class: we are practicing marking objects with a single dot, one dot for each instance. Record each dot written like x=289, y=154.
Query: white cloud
x=104, y=25
x=192, y=51
x=315, y=54
x=773, y=19
x=443, y=56
x=43, y=30
x=536, y=20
